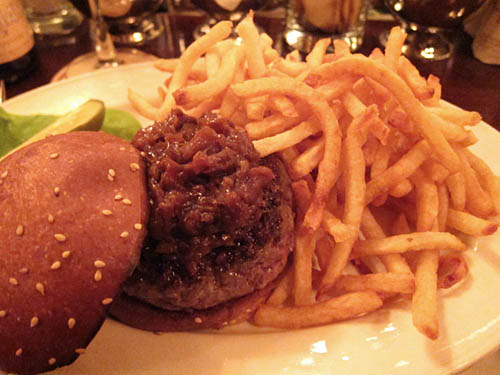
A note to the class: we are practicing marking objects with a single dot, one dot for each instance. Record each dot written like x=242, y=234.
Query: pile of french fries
x=383, y=180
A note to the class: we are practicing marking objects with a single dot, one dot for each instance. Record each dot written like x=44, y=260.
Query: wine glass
x=105, y=55
x=430, y=24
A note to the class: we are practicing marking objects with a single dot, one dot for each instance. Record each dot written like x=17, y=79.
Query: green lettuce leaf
x=15, y=129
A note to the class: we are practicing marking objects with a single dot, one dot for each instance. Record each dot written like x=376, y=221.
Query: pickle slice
x=88, y=116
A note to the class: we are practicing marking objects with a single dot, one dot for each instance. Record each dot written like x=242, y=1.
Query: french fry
x=417, y=241
x=347, y=306
x=384, y=282
x=256, y=108
x=229, y=104
x=393, y=48
x=315, y=57
x=416, y=112
x=308, y=160
x=283, y=105
x=302, y=195
x=424, y=302
x=288, y=138
x=142, y=105
x=371, y=229
x=457, y=115
x=354, y=182
x=248, y=32
x=478, y=201
x=341, y=48
x=433, y=82
x=427, y=201
x=488, y=180
x=335, y=89
x=456, y=186
x=401, y=189
x=291, y=68
x=400, y=225
x=412, y=77
x=435, y=171
x=269, y=126
x=302, y=267
x=336, y=228
x=283, y=290
x=444, y=204
x=212, y=63
x=397, y=172
x=212, y=86
x=470, y=224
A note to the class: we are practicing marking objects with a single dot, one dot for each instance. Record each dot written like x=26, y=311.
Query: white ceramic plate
x=382, y=343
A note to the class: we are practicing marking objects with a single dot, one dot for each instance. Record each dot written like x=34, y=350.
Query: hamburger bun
x=73, y=215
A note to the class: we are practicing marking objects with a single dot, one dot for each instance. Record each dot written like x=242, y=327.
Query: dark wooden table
x=466, y=81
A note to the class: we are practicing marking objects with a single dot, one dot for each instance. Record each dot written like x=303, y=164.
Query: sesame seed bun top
x=73, y=212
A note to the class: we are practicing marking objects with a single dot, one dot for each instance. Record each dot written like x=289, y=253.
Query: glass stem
x=103, y=44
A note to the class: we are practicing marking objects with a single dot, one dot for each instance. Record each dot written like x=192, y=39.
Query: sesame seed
x=107, y=301
x=71, y=322
x=98, y=275
x=3, y=313
x=19, y=352
x=134, y=167
x=57, y=191
x=56, y=265
x=23, y=270
x=118, y=197
x=80, y=351
x=4, y=174
x=124, y=234
x=60, y=237
x=143, y=153
x=126, y=202
x=20, y=230
x=111, y=178
x=13, y=281
x=40, y=288
x=122, y=148
x=112, y=172
x=107, y=212
x=99, y=263
x=55, y=155
x=51, y=218
x=52, y=361
x=34, y=321
x=66, y=254
x=198, y=320
x=138, y=226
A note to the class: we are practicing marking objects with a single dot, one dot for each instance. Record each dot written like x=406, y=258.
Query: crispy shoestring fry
x=415, y=110
x=380, y=167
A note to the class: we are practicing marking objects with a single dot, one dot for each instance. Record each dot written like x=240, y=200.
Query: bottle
x=17, y=44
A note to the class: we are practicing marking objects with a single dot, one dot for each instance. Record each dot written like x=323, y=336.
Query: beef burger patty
x=221, y=224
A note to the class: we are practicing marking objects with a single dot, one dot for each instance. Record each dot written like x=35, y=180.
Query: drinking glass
x=430, y=24
x=104, y=55
x=308, y=21
x=52, y=17
x=132, y=21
